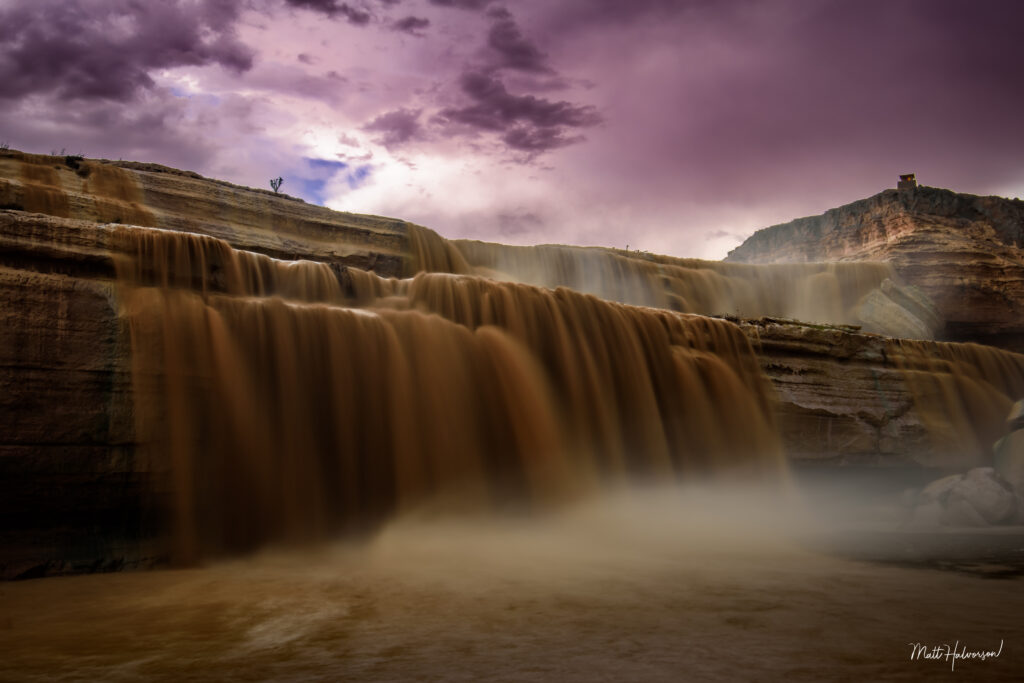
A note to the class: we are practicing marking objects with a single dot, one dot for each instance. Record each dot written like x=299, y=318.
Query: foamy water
x=646, y=586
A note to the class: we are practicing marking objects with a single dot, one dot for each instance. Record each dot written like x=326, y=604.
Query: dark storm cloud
x=511, y=48
x=411, y=25
x=526, y=122
x=538, y=139
x=530, y=123
x=397, y=127
x=94, y=49
x=462, y=4
x=151, y=130
x=333, y=8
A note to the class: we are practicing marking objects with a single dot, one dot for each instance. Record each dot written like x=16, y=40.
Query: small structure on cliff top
x=908, y=181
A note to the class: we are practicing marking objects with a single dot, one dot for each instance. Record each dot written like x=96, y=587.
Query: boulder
x=981, y=497
x=960, y=512
x=938, y=490
x=986, y=492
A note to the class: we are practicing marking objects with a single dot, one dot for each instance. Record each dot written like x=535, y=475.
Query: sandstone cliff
x=106, y=192
x=76, y=492
x=965, y=252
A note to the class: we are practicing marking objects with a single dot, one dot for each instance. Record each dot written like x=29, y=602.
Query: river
x=654, y=585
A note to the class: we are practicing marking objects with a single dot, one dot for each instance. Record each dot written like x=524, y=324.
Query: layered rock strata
x=101, y=192
x=964, y=252
x=76, y=493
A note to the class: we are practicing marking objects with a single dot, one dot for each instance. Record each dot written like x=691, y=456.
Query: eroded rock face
x=964, y=252
x=843, y=399
x=103, y=192
x=77, y=495
x=75, y=492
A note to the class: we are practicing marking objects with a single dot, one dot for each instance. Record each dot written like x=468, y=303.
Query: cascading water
x=814, y=292
x=292, y=403
x=963, y=393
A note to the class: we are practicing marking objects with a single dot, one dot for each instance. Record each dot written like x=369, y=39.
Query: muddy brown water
x=647, y=586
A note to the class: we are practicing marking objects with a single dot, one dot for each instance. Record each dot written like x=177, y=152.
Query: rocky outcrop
x=846, y=398
x=964, y=252
x=105, y=192
x=839, y=398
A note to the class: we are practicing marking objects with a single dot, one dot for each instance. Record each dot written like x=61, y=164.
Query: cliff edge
x=964, y=251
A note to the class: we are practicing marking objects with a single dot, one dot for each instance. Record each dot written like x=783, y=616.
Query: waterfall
x=291, y=401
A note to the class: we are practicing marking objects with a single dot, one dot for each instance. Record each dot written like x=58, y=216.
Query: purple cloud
x=530, y=123
x=538, y=139
x=149, y=130
x=578, y=15
x=397, y=127
x=512, y=50
x=411, y=25
x=105, y=50
x=333, y=8
x=462, y=4
x=728, y=114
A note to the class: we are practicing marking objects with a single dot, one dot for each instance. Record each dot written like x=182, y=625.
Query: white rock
x=959, y=512
x=1009, y=458
x=880, y=314
x=982, y=497
x=938, y=489
x=984, y=490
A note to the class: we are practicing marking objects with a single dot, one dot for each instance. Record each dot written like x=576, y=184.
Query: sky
x=672, y=126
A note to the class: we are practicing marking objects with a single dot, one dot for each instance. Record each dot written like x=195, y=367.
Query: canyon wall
x=964, y=252
x=77, y=493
